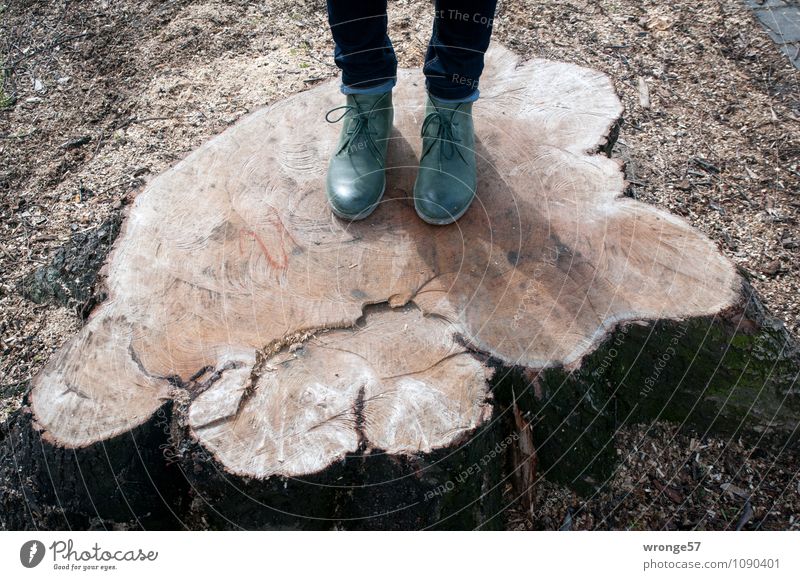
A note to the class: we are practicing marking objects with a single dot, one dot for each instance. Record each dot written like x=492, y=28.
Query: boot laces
x=443, y=134
x=359, y=131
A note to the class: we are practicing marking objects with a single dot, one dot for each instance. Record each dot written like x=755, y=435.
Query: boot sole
x=443, y=221
x=363, y=214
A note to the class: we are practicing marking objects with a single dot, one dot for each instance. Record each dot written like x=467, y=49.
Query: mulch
x=98, y=97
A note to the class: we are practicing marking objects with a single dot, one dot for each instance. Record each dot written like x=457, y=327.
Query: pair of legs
x=453, y=65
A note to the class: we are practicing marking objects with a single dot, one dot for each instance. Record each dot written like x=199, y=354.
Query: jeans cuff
x=470, y=98
x=376, y=90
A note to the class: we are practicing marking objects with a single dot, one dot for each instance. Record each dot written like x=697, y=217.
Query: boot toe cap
x=355, y=198
x=442, y=201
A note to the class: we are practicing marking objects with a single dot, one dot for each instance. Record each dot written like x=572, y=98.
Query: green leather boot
x=447, y=176
x=356, y=172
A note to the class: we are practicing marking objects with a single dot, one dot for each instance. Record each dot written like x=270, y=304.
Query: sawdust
x=100, y=96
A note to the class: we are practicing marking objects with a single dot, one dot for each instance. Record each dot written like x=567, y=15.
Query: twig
x=133, y=120
x=644, y=94
x=18, y=136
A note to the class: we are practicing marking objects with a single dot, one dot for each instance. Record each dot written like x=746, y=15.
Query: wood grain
x=293, y=337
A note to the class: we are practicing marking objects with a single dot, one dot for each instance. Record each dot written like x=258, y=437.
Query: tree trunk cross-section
x=235, y=249
x=297, y=350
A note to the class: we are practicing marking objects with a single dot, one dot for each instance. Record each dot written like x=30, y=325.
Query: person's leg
x=356, y=173
x=454, y=61
x=363, y=51
x=447, y=177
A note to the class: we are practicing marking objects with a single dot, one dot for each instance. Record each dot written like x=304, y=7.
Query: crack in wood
x=360, y=421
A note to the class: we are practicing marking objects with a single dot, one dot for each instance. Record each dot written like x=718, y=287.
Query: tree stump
x=259, y=363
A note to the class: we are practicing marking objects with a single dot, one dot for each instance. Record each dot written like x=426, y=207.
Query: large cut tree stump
x=260, y=363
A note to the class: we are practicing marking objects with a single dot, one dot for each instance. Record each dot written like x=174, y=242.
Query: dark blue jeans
x=453, y=63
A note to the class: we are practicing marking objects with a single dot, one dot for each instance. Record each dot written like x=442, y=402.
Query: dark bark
x=70, y=277
x=155, y=477
x=123, y=481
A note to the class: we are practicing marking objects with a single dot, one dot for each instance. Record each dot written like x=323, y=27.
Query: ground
x=99, y=96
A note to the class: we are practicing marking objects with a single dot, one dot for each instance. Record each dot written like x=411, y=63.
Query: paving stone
x=781, y=19
x=765, y=3
x=783, y=24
